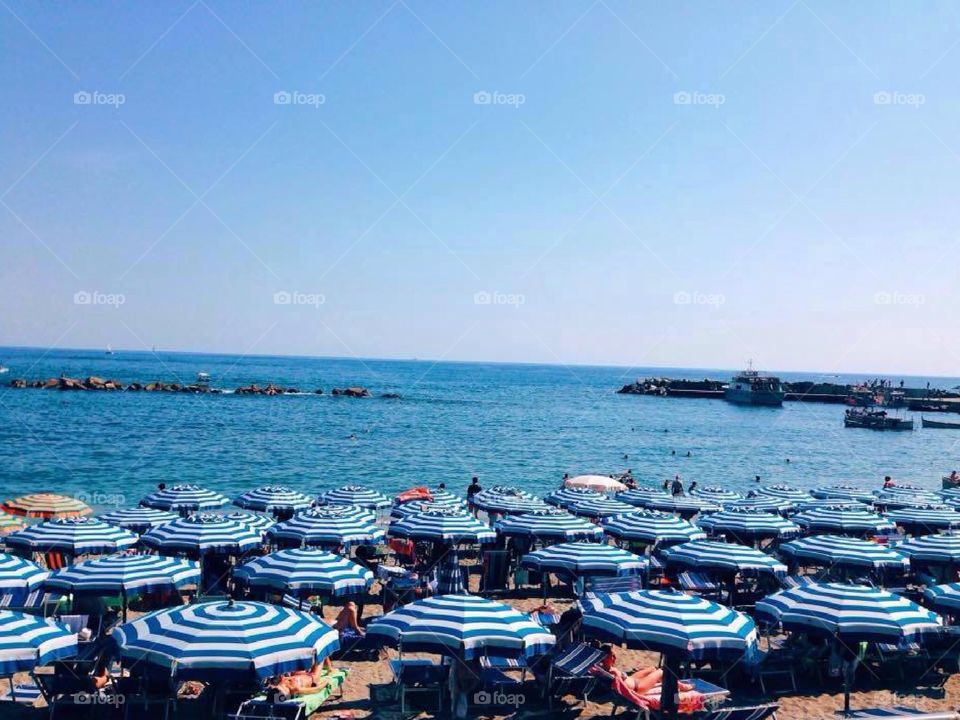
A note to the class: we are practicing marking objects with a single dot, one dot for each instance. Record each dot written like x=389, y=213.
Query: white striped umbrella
x=354, y=495
x=27, y=641
x=226, y=640
x=442, y=525
x=783, y=492
x=584, y=559
x=9, y=523
x=843, y=492
x=566, y=496
x=46, y=505
x=905, y=489
x=442, y=496
x=763, y=503
x=124, y=573
x=815, y=503
x=639, y=495
x=945, y=598
x=329, y=526
x=203, y=533
x=720, y=557
x=953, y=492
x=685, y=506
x=925, y=518
x=74, y=535
x=941, y=549
x=138, y=519
x=463, y=626
x=842, y=520
x=273, y=498
x=305, y=571
x=898, y=502
x=748, y=524
x=601, y=483
x=509, y=500
x=185, y=497
x=260, y=523
x=19, y=574
x=604, y=507
x=651, y=527
x=716, y=494
x=844, y=552
x=551, y=525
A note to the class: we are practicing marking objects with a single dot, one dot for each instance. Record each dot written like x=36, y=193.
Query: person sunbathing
x=347, y=619
x=302, y=682
x=645, y=679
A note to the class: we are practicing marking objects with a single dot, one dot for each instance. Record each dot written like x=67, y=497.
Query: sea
x=509, y=424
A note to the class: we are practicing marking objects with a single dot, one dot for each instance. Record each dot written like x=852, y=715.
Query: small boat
x=874, y=420
x=939, y=424
x=751, y=388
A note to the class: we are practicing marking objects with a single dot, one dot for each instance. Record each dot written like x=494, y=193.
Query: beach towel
x=415, y=493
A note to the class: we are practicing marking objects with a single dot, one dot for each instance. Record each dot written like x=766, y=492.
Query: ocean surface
x=521, y=425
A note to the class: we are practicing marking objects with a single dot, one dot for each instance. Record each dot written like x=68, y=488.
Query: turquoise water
x=515, y=424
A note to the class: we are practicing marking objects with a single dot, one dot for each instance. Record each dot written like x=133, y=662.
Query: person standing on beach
x=677, y=488
x=472, y=489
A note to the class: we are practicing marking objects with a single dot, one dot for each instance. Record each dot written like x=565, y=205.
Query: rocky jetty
x=668, y=386
x=359, y=392
x=97, y=383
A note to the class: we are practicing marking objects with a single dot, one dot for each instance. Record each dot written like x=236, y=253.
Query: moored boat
x=874, y=420
x=751, y=388
x=940, y=424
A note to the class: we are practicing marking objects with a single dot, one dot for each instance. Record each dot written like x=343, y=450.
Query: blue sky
x=581, y=182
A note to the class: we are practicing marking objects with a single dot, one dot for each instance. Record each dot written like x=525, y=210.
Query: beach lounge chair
x=25, y=693
x=776, y=670
x=261, y=707
x=418, y=676
x=68, y=685
x=569, y=673
x=502, y=675
x=145, y=691
x=699, y=583
x=495, y=571
x=612, y=584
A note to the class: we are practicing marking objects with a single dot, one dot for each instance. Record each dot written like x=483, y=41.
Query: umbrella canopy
x=925, y=518
x=782, y=492
x=305, y=571
x=945, y=598
x=203, y=533
x=748, y=524
x=27, y=641
x=226, y=640
x=942, y=549
x=273, y=498
x=584, y=559
x=354, y=495
x=9, y=523
x=19, y=574
x=46, y=505
x=566, y=496
x=600, y=483
x=896, y=502
x=551, y=525
x=842, y=520
x=851, y=613
x=603, y=507
x=509, y=500
x=815, y=503
x=907, y=490
x=638, y=496
x=74, y=535
x=330, y=525
x=442, y=525
x=844, y=552
x=686, y=506
x=124, y=573
x=651, y=527
x=712, y=556
x=843, y=492
x=763, y=503
x=952, y=492
x=185, y=498
x=670, y=622
x=464, y=626
x=260, y=523
x=138, y=519
x=716, y=494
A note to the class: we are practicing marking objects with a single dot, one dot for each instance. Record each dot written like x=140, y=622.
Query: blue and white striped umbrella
x=842, y=520
x=605, y=507
x=418, y=506
x=185, y=497
x=651, y=527
x=639, y=495
x=203, y=533
x=716, y=494
x=925, y=518
x=463, y=626
x=124, y=573
x=442, y=525
x=763, y=503
x=584, y=559
x=941, y=549
x=450, y=575
x=747, y=524
x=260, y=523
x=670, y=622
x=329, y=526
x=354, y=495
x=907, y=490
x=27, y=641
x=273, y=498
x=550, y=525
x=508, y=500
x=952, y=492
x=844, y=552
x=782, y=492
x=226, y=640
x=19, y=574
x=843, y=492
x=945, y=598
x=713, y=556
x=684, y=505
x=850, y=613
x=442, y=496
x=898, y=502
x=74, y=535
x=138, y=519
x=815, y=503
x=305, y=571
x=566, y=496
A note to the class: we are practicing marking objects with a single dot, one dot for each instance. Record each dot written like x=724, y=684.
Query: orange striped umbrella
x=9, y=523
x=46, y=505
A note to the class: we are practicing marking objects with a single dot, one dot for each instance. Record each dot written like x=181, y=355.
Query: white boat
x=751, y=388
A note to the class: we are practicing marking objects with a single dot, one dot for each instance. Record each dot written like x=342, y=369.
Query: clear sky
x=605, y=182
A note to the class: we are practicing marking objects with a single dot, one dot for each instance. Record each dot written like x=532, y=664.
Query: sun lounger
x=420, y=676
x=261, y=707
x=699, y=583
x=495, y=571
x=499, y=674
x=568, y=673
x=26, y=693
x=612, y=584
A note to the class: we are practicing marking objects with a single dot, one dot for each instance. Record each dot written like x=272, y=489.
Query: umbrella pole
x=669, y=686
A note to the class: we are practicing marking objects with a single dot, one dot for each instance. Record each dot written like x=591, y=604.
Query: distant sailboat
x=109, y=351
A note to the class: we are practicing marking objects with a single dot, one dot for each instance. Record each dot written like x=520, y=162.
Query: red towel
x=416, y=493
